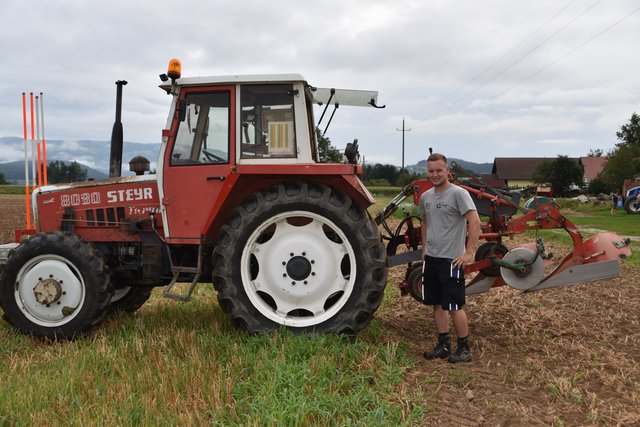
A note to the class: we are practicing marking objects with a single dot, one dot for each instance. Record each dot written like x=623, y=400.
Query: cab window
x=267, y=121
x=203, y=135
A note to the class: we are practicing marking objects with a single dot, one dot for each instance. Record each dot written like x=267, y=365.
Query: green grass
x=182, y=364
x=384, y=191
x=384, y=195
x=12, y=189
x=599, y=217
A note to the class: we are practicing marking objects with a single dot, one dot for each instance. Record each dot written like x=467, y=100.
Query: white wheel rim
x=45, y=271
x=304, y=277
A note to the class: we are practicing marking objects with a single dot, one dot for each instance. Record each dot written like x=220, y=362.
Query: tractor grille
x=104, y=217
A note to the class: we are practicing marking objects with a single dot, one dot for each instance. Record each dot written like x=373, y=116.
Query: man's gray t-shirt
x=446, y=224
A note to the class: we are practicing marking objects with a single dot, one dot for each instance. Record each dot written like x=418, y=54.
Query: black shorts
x=443, y=284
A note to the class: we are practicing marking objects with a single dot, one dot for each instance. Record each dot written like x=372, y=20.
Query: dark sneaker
x=441, y=351
x=462, y=354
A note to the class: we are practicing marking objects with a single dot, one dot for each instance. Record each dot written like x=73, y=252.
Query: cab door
x=197, y=160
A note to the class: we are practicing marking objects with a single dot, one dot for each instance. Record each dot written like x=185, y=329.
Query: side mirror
x=182, y=110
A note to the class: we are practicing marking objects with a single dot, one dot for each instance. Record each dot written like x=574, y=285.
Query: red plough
x=521, y=267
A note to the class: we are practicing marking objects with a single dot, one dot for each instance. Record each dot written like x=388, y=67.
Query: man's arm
x=423, y=232
x=473, y=234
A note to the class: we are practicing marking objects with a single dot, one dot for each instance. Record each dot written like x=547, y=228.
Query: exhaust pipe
x=115, y=159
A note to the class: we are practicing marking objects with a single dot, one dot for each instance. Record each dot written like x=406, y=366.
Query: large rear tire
x=55, y=286
x=303, y=256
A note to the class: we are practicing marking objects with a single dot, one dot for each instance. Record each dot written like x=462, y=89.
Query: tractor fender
x=240, y=187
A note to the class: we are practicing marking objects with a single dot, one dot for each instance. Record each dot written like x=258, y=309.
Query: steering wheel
x=212, y=157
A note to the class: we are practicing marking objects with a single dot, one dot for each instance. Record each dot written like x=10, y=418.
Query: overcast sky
x=475, y=79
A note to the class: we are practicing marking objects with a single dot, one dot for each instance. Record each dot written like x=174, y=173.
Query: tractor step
x=177, y=270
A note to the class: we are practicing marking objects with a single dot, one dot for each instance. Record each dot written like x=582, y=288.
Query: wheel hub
x=298, y=268
x=47, y=291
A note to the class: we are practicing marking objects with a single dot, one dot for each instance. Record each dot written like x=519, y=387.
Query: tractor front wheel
x=55, y=286
x=632, y=205
x=302, y=256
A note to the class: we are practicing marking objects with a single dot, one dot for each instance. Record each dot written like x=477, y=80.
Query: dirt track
x=563, y=356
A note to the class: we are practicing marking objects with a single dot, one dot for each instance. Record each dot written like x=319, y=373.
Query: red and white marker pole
x=26, y=161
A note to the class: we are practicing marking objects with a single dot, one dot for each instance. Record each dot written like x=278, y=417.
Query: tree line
x=59, y=172
x=623, y=162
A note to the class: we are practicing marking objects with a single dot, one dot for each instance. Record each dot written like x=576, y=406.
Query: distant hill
x=93, y=154
x=14, y=171
x=478, y=168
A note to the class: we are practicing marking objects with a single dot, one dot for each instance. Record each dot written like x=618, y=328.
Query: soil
x=12, y=216
x=564, y=356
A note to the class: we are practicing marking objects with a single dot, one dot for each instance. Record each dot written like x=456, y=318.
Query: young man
x=446, y=209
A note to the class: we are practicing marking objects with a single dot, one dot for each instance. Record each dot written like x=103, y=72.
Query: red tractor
x=239, y=199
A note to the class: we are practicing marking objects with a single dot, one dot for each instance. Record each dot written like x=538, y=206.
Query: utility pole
x=403, y=130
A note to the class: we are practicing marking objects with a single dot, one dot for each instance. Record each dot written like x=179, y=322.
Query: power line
x=512, y=64
x=494, y=63
x=581, y=45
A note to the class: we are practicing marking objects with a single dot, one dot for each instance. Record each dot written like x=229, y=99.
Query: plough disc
x=531, y=274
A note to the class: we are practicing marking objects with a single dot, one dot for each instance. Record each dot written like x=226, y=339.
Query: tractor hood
x=107, y=202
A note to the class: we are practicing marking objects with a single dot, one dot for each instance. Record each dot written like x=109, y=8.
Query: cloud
x=474, y=77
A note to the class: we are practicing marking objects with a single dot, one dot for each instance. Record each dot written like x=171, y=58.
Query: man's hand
x=464, y=259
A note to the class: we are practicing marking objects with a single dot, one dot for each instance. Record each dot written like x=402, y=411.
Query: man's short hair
x=434, y=157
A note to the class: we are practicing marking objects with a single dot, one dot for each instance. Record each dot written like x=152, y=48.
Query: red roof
x=592, y=166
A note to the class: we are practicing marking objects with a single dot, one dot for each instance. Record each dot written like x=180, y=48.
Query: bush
x=599, y=185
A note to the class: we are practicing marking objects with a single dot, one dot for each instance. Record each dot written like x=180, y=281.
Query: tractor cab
x=251, y=119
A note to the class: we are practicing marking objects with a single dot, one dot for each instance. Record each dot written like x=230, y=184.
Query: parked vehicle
x=632, y=200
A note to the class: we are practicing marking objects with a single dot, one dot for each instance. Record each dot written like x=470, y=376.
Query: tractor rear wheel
x=55, y=286
x=303, y=256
